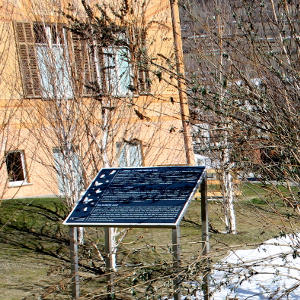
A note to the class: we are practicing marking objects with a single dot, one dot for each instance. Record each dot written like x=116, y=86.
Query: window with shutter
x=44, y=60
x=101, y=70
x=107, y=70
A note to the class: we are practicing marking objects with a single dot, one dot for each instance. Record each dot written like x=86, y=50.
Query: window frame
x=17, y=183
x=112, y=76
x=54, y=60
x=124, y=152
x=120, y=74
x=85, y=55
x=59, y=163
x=28, y=41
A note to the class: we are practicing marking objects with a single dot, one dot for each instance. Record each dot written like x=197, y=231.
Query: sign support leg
x=109, y=260
x=176, y=260
x=74, y=262
x=205, y=237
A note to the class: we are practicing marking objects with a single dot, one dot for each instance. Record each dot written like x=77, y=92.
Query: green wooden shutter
x=28, y=59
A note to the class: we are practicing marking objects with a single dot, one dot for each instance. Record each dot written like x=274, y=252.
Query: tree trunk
x=80, y=235
x=228, y=198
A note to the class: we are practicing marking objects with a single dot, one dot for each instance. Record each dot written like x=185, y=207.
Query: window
x=15, y=164
x=68, y=171
x=129, y=153
x=52, y=58
x=109, y=70
x=118, y=70
x=44, y=60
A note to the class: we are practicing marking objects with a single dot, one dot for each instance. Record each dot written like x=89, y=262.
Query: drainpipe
x=179, y=69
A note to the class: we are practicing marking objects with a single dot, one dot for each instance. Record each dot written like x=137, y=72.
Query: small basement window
x=15, y=164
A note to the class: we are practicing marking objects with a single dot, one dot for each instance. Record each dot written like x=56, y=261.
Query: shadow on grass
x=35, y=226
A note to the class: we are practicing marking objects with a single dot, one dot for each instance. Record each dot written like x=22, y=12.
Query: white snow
x=271, y=271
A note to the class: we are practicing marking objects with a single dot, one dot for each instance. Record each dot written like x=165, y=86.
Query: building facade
x=87, y=86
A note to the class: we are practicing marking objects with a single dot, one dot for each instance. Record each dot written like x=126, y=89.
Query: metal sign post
x=205, y=237
x=109, y=260
x=176, y=261
x=74, y=262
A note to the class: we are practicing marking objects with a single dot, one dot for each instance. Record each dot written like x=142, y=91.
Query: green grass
x=32, y=242
x=34, y=246
x=258, y=201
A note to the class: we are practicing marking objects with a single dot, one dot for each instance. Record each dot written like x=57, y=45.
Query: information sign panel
x=137, y=197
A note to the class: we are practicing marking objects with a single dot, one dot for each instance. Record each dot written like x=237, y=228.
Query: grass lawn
x=34, y=247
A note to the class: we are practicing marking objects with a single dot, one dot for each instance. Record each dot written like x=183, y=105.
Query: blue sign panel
x=137, y=197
